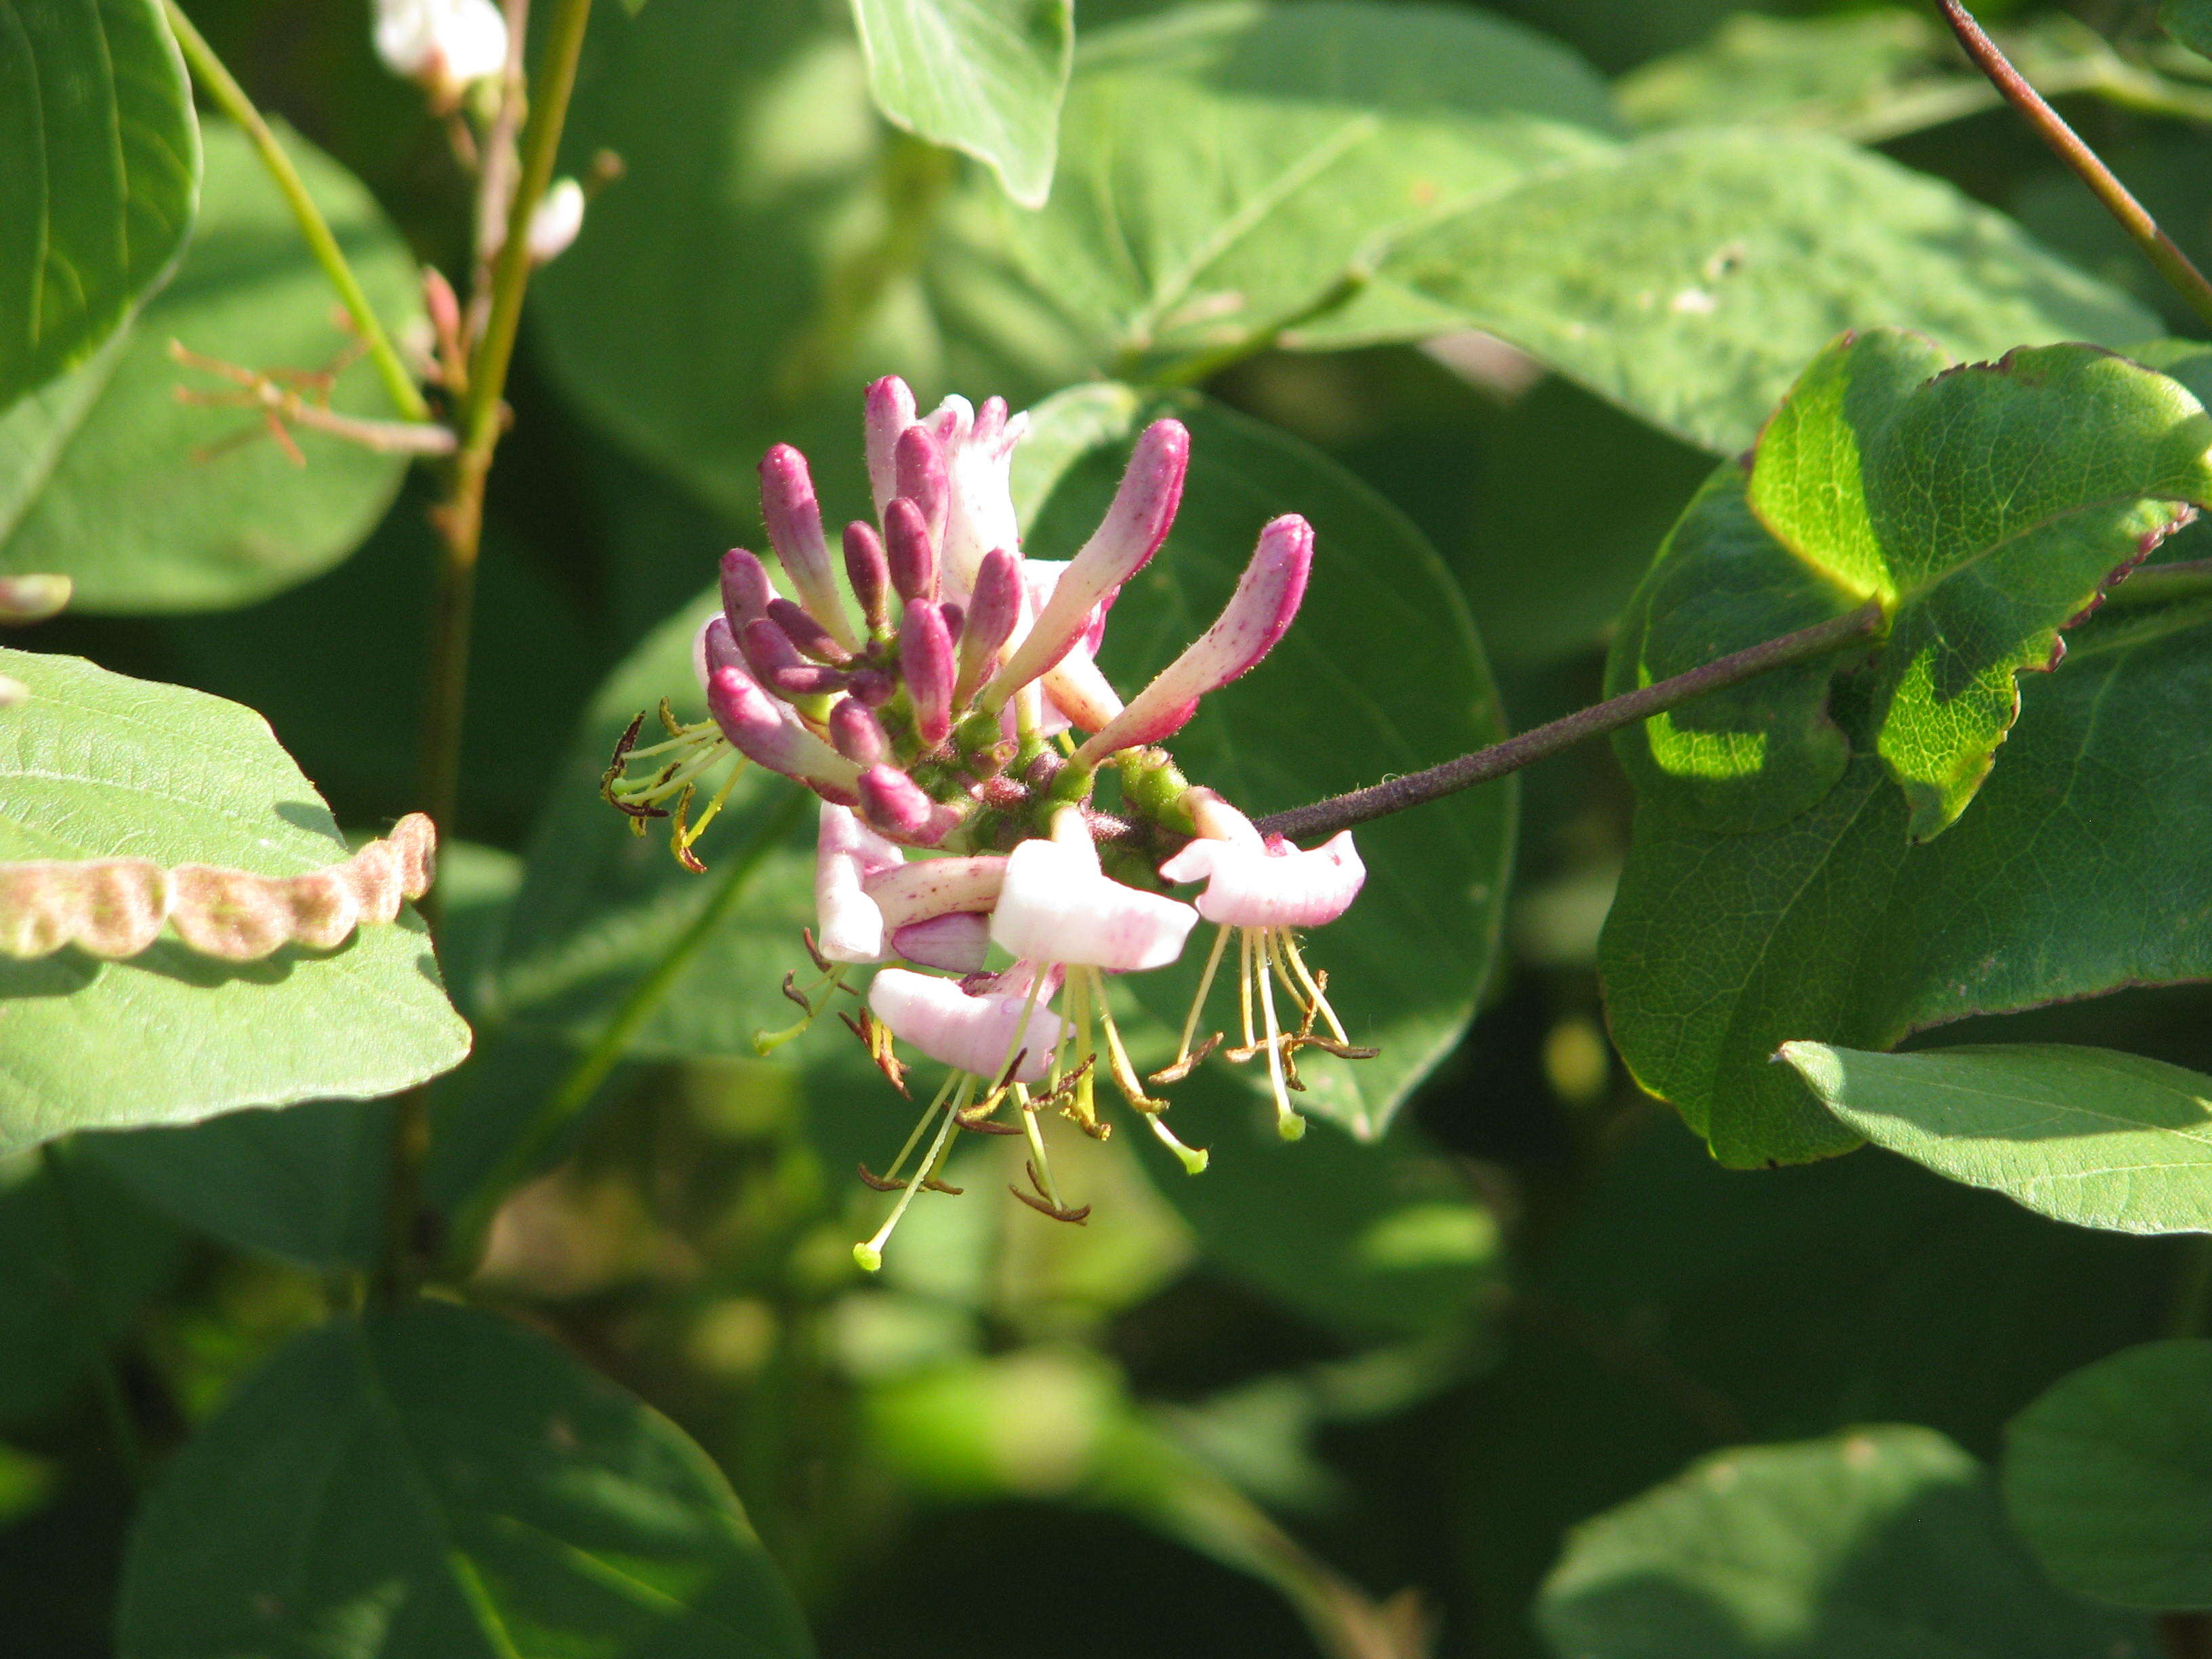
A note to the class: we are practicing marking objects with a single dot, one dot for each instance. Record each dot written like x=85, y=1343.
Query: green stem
x=565, y=1103
x=84, y=1277
x=220, y=85
x=1363, y=805
x=2133, y=217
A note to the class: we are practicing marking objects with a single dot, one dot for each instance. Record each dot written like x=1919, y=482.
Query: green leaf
x=1881, y=1542
x=58, y=1308
x=2109, y=1477
x=2077, y=872
x=1382, y=658
x=434, y=1483
x=1225, y=168
x=99, y=163
x=149, y=504
x=985, y=76
x=2086, y=1135
x=1689, y=278
x=2189, y=22
x=95, y=765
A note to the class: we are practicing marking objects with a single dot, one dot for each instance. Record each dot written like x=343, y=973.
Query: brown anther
x=879, y=1182
x=680, y=842
x=1341, y=1050
x=931, y=1184
x=1044, y=1205
x=791, y=990
x=821, y=962
x=668, y=721
x=1189, y=1063
x=875, y=1038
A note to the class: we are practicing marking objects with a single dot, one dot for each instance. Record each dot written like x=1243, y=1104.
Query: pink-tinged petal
x=909, y=552
x=1271, y=886
x=895, y=804
x=959, y=942
x=794, y=528
x=1057, y=907
x=889, y=412
x=1125, y=539
x=1257, y=615
x=1080, y=693
x=921, y=478
x=849, y=926
x=939, y=887
x=979, y=463
x=765, y=731
x=926, y=660
x=746, y=589
x=978, y=1033
x=869, y=574
x=995, y=608
x=856, y=733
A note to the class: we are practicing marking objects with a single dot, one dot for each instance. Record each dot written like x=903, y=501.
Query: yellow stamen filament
x=1288, y=1123
x=1204, y=984
x=1290, y=946
x=870, y=1256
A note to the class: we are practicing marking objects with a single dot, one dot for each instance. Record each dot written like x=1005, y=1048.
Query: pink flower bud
x=908, y=551
x=1131, y=532
x=873, y=687
x=895, y=804
x=803, y=631
x=868, y=572
x=764, y=731
x=959, y=942
x=794, y=527
x=712, y=647
x=921, y=477
x=775, y=662
x=1258, y=613
x=856, y=733
x=993, y=608
x=925, y=659
x=889, y=412
x=978, y=1033
x=746, y=588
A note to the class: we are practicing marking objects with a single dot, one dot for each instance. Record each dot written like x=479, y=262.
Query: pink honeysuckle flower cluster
x=941, y=694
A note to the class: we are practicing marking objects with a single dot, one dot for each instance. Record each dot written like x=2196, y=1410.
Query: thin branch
x=2134, y=218
x=1365, y=805
x=593, y=1066
x=501, y=163
x=219, y=84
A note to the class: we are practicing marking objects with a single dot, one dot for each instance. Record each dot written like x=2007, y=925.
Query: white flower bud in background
x=443, y=46
x=555, y=220
x=13, y=692
x=32, y=599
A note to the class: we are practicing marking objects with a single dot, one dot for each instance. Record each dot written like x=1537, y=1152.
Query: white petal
x=849, y=924
x=975, y=1034
x=1057, y=907
x=1249, y=885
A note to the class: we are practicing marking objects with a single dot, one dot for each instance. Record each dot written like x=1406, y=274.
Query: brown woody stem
x=1325, y=817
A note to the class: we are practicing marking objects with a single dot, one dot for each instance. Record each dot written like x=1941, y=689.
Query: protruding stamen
x=1194, y=1158
x=870, y=1256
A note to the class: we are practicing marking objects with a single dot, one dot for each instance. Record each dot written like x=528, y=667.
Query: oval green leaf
x=96, y=765
x=2085, y=1135
x=149, y=504
x=435, y=1482
x=2109, y=1477
x=99, y=166
x=1882, y=1541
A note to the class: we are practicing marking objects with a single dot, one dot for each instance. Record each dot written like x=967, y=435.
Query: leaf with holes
x=99, y=168
x=95, y=765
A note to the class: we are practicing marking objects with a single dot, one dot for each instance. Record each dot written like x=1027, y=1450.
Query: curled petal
x=1273, y=884
x=978, y=1033
x=849, y=925
x=794, y=526
x=1125, y=539
x=1056, y=906
x=889, y=412
x=765, y=731
x=1266, y=597
x=959, y=942
x=937, y=887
